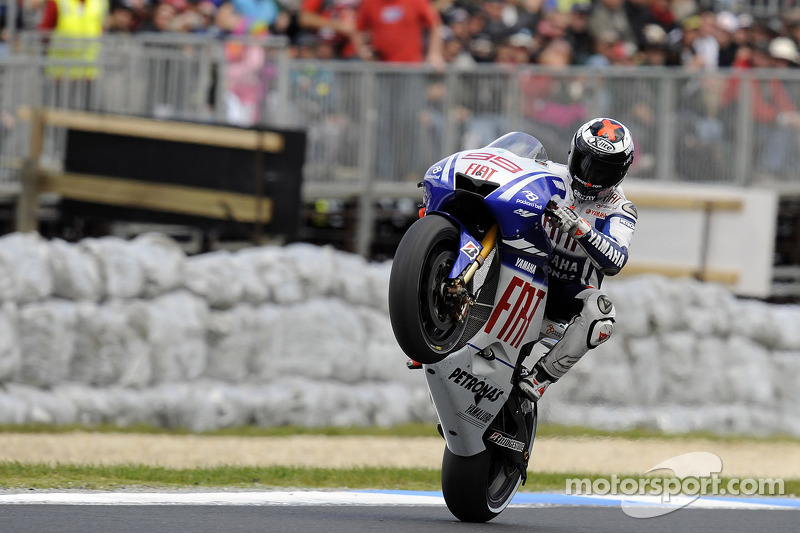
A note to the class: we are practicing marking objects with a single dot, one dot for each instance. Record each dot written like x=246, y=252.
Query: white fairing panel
x=468, y=389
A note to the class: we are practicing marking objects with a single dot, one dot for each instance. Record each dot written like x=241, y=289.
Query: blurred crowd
x=703, y=34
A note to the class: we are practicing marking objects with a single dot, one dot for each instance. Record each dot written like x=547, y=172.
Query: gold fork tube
x=487, y=243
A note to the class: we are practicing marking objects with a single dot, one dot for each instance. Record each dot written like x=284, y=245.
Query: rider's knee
x=600, y=314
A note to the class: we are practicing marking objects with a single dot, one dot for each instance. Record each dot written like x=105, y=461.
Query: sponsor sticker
x=523, y=213
x=527, y=266
x=517, y=307
x=479, y=414
x=506, y=442
x=479, y=386
x=601, y=144
x=470, y=250
x=477, y=170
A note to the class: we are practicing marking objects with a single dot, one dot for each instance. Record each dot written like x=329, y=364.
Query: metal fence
x=373, y=129
x=757, y=8
x=387, y=124
x=727, y=127
x=181, y=77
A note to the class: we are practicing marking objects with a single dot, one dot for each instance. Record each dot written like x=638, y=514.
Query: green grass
x=30, y=475
x=406, y=430
x=15, y=475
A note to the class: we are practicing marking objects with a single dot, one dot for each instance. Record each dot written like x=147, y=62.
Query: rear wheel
x=477, y=488
x=423, y=317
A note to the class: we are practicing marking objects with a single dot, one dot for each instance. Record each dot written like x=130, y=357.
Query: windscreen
x=521, y=144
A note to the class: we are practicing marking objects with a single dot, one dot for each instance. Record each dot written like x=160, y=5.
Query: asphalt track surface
x=395, y=519
x=290, y=515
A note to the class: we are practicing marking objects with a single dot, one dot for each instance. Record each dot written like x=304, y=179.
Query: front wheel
x=423, y=318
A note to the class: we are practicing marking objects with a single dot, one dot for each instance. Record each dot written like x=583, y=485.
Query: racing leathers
x=590, y=240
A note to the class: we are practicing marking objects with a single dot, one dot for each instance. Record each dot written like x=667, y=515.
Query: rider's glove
x=567, y=220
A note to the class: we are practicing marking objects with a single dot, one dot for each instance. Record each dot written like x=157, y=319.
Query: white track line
x=220, y=498
x=305, y=498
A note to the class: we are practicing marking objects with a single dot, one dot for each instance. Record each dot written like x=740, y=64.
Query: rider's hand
x=567, y=220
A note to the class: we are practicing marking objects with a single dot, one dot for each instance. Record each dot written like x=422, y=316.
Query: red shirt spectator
x=769, y=98
x=49, y=16
x=396, y=28
x=333, y=20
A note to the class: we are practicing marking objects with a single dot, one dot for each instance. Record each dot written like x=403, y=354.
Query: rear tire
x=464, y=483
x=477, y=488
x=421, y=319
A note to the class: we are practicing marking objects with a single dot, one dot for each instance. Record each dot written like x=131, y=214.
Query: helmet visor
x=595, y=173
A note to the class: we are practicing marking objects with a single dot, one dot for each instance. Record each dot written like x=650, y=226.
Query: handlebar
x=550, y=208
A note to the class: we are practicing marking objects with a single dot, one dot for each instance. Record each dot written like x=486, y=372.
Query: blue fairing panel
x=519, y=207
x=439, y=184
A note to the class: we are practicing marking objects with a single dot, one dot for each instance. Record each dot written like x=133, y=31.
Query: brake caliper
x=457, y=295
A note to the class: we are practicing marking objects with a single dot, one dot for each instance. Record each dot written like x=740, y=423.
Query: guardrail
x=181, y=77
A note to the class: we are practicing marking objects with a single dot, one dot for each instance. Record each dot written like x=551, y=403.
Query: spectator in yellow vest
x=74, y=25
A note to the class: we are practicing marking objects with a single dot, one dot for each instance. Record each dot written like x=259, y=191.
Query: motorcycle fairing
x=468, y=389
x=470, y=386
x=466, y=397
x=519, y=208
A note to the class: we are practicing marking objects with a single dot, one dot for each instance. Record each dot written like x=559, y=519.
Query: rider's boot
x=587, y=330
x=536, y=382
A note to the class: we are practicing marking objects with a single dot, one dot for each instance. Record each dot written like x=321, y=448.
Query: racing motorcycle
x=467, y=295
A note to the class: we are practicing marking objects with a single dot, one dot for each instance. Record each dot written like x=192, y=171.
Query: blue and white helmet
x=600, y=155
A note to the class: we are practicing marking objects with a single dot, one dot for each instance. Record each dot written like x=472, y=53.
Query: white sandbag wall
x=687, y=356
x=123, y=332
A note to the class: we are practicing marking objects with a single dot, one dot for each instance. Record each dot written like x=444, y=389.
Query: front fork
x=455, y=290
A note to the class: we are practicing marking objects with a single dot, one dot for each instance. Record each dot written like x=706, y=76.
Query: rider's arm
x=606, y=247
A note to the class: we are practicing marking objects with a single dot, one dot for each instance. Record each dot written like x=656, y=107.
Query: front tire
x=421, y=317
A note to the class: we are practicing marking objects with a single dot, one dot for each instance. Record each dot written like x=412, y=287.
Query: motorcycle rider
x=590, y=230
